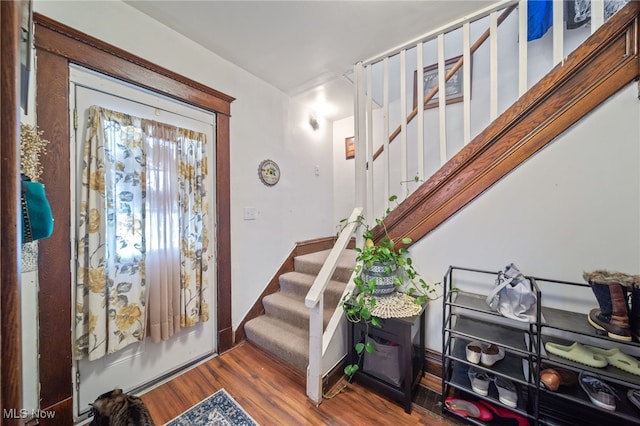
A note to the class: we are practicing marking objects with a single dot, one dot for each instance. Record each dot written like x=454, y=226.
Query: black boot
x=610, y=289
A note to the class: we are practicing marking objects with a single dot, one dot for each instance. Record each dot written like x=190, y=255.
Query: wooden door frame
x=58, y=46
x=10, y=249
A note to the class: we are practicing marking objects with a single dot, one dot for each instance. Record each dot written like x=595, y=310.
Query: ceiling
x=304, y=48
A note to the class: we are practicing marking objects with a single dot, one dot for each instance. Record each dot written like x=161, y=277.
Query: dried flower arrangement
x=32, y=146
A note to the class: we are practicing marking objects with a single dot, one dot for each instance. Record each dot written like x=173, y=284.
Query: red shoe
x=504, y=413
x=466, y=408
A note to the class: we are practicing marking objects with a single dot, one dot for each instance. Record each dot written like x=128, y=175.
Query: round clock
x=269, y=172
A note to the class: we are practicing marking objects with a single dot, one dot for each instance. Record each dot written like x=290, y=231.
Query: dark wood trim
x=303, y=247
x=95, y=54
x=223, y=234
x=54, y=274
x=605, y=63
x=63, y=414
x=10, y=250
x=433, y=363
x=57, y=46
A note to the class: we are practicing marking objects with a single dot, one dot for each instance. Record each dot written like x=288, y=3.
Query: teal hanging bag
x=37, y=218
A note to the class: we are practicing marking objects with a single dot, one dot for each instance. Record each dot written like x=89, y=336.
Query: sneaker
x=600, y=393
x=474, y=352
x=507, y=392
x=479, y=381
x=491, y=355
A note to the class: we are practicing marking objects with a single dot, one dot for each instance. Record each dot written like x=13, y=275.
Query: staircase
x=283, y=329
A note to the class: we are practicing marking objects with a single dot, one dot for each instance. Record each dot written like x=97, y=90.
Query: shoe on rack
x=479, y=381
x=474, y=352
x=634, y=397
x=618, y=359
x=600, y=393
x=553, y=378
x=507, y=392
x=505, y=413
x=578, y=353
x=482, y=353
x=466, y=408
x=491, y=355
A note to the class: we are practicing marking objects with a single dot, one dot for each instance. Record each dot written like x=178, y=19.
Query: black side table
x=402, y=332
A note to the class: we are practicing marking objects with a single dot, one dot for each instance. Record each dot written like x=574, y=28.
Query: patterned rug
x=217, y=410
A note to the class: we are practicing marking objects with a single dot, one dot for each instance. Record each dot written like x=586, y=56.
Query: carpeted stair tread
x=284, y=328
x=299, y=284
x=291, y=309
x=312, y=262
x=292, y=344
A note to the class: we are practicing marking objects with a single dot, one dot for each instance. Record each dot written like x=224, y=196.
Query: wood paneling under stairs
x=274, y=394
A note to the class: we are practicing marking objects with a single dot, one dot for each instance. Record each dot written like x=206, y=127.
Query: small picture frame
x=349, y=147
x=453, y=86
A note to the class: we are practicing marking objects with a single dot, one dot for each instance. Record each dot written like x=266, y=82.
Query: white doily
x=395, y=305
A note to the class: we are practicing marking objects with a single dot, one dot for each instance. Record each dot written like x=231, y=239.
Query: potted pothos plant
x=382, y=268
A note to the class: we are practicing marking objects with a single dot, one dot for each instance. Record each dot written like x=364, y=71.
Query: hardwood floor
x=273, y=394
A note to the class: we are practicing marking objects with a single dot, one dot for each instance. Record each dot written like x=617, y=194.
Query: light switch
x=250, y=213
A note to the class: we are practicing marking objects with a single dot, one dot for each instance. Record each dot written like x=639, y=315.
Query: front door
x=142, y=364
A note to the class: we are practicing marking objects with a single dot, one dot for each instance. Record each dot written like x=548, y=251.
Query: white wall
x=264, y=124
x=573, y=207
x=344, y=173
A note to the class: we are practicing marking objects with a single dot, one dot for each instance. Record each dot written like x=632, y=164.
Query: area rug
x=220, y=409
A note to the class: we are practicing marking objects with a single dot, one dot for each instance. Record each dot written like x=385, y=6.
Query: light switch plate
x=250, y=213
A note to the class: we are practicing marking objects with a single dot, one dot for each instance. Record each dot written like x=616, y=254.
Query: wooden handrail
x=448, y=75
x=605, y=63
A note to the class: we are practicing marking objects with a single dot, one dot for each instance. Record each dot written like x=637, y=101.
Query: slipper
x=578, y=353
x=618, y=359
x=466, y=408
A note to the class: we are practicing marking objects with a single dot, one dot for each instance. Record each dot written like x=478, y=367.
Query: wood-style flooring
x=273, y=394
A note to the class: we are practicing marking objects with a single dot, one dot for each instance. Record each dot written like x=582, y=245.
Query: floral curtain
x=194, y=232
x=178, y=252
x=142, y=234
x=110, y=290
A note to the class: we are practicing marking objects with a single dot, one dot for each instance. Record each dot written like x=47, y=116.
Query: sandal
x=618, y=359
x=578, y=353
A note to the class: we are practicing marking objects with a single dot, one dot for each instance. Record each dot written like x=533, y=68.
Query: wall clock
x=269, y=172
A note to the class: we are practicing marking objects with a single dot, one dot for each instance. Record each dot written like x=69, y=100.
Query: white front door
x=141, y=364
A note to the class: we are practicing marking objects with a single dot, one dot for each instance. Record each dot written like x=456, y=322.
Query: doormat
x=220, y=409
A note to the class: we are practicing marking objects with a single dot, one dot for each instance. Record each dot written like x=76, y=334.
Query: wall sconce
x=313, y=121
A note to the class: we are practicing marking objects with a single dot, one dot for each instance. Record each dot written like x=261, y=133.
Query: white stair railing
x=486, y=52
x=420, y=155
x=318, y=338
